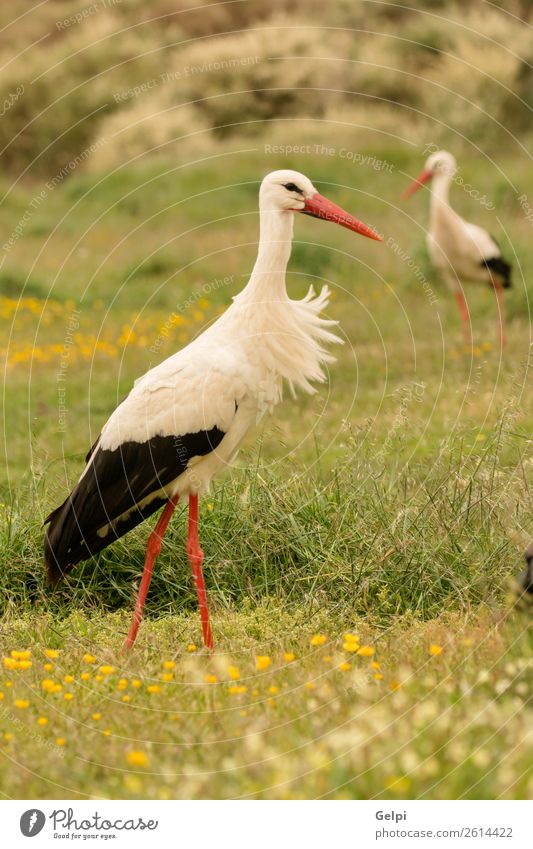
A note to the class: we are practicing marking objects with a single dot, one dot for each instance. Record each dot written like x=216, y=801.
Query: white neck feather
x=287, y=337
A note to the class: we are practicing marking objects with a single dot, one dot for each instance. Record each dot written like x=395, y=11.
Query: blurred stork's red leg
x=465, y=316
x=498, y=288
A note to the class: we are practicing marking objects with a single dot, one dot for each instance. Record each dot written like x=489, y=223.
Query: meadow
x=361, y=554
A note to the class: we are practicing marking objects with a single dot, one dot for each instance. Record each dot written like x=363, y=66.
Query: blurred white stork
x=185, y=419
x=459, y=250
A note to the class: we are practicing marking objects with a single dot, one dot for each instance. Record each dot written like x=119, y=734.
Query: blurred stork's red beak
x=417, y=184
x=320, y=207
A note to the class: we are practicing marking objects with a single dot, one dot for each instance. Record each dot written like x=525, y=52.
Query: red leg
x=465, y=316
x=501, y=314
x=196, y=558
x=152, y=550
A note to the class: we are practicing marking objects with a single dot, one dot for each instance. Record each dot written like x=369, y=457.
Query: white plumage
x=462, y=252
x=186, y=418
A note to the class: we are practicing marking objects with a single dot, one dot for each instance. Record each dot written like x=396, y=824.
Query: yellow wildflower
x=60, y=741
x=106, y=732
x=318, y=639
x=98, y=678
x=137, y=758
x=378, y=676
x=48, y=667
x=122, y=683
x=375, y=664
x=210, y=679
x=68, y=679
x=352, y=647
x=191, y=647
x=20, y=655
x=42, y=720
x=52, y=654
x=167, y=677
x=310, y=685
x=236, y=690
x=10, y=663
x=136, y=683
x=435, y=649
x=233, y=673
x=366, y=651
x=351, y=638
x=68, y=696
x=126, y=698
x=153, y=688
x=288, y=657
x=107, y=670
x=21, y=704
x=262, y=662
x=85, y=676
x=48, y=685
x=8, y=736
x=89, y=658
x=97, y=716
x=345, y=666
x=169, y=664
x=273, y=690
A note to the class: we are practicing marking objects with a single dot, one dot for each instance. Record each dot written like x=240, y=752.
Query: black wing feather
x=114, y=484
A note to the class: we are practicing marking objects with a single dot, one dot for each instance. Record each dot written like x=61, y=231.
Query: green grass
x=395, y=503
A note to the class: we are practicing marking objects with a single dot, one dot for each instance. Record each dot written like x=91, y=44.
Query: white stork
x=185, y=419
x=459, y=250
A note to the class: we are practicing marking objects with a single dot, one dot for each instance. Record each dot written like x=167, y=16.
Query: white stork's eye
x=292, y=187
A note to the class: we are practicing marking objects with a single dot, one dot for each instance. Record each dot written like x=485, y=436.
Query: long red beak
x=320, y=207
x=417, y=184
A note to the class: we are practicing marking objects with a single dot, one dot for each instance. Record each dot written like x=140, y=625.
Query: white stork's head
x=289, y=191
x=440, y=163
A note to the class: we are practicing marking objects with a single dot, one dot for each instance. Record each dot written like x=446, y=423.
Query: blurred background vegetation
x=451, y=72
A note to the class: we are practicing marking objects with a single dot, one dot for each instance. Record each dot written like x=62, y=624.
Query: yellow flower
x=85, y=676
x=262, y=661
x=435, y=649
x=345, y=666
x=48, y=685
x=351, y=638
x=122, y=683
x=20, y=655
x=395, y=685
x=48, y=667
x=236, y=690
x=68, y=697
x=42, y=720
x=327, y=659
x=378, y=676
x=169, y=664
x=366, y=651
x=60, y=741
x=318, y=639
x=8, y=736
x=1, y=696
x=98, y=678
x=136, y=683
x=137, y=758
x=233, y=673
x=106, y=732
x=107, y=670
x=310, y=685
x=52, y=654
x=167, y=677
x=68, y=679
x=24, y=664
x=191, y=647
x=89, y=658
x=153, y=688
x=21, y=704
x=10, y=663
x=288, y=657
x=273, y=690
x=210, y=679
x=97, y=716
x=126, y=698
x=353, y=647
x=375, y=664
